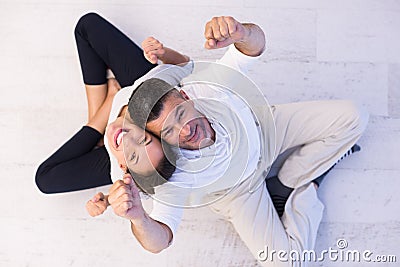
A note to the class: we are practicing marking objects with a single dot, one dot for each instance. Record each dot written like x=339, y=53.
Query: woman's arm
x=125, y=201
x=154, y=50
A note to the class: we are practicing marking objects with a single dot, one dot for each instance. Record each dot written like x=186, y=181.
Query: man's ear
x=184, y=95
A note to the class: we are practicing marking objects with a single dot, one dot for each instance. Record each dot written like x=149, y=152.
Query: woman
x=83, y=161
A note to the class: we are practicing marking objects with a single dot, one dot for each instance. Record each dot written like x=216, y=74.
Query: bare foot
x=113, y=86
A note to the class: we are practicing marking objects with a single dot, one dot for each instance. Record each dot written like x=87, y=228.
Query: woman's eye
x=133, y=156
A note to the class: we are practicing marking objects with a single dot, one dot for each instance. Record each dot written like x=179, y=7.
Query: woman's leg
x=76, y=165
x=95, y=94
x=101, y=46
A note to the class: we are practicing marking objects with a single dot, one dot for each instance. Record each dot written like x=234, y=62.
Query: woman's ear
x=123, y=167
x=184, y=95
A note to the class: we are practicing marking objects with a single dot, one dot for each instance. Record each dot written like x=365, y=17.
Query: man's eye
x=143, y=141
x=166, y=133
x=133, y=156
x=181, y=115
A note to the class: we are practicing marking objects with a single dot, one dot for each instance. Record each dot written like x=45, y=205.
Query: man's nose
x=185, y=130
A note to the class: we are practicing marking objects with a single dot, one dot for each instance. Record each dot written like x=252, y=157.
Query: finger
x=148, y=40
x=150, y=47
x=118, y=202
x=120, y=193
x=157, y=52
x=116, y=185
x=116, y=194
x=122, y=208
x=130, y=183
x=210, y=44
x=153, y=59
x=152, y=40
x=232, y=25
x=215, y=24
x=101, y=207
x=92, y=209
x=223, y=27
x=99, y=196
x=224, y=43
x=208, y=34
x=127, y=179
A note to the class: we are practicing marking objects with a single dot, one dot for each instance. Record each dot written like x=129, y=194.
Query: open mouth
x=118, y=137
x=195, y=135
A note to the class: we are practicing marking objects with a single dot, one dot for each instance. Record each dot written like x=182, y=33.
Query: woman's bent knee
x=42, y=180
x=87, y=19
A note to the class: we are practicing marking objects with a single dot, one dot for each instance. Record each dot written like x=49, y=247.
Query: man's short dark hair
x=147, y=101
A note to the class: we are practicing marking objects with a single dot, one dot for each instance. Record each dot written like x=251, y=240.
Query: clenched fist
x=223, y=31
x=125, y=200
x=152, y=49
x=97, y=205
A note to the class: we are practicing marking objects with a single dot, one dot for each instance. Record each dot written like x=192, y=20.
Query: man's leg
x=259, y=226
x=322, y=131
x=279, y=193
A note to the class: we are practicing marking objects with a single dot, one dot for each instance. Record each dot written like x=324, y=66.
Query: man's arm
x=125, y=201
x=223, y=31
x=154, y=50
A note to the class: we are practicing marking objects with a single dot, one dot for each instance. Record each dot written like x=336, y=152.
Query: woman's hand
x=125, y=200
x=153, y=49
x=97, y=205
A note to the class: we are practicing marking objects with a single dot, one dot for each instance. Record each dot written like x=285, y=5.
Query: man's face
x=180, y=124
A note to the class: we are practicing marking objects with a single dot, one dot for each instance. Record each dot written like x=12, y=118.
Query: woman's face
x=133, y=147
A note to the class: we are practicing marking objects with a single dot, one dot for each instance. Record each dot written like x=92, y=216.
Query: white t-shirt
x=219, y=153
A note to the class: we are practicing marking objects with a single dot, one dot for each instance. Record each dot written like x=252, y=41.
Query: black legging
x=78, y=164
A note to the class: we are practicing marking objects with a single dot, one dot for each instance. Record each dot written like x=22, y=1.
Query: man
x=319, y=132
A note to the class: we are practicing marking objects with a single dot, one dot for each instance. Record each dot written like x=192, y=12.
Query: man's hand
x=97, y=205
x=223, y=31
x=152, y=49
x=248, y=38
x=125, y=200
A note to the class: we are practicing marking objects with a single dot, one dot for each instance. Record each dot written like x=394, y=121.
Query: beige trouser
x=322, y=131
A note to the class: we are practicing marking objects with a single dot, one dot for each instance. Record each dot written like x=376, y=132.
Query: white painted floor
x=317, y=50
